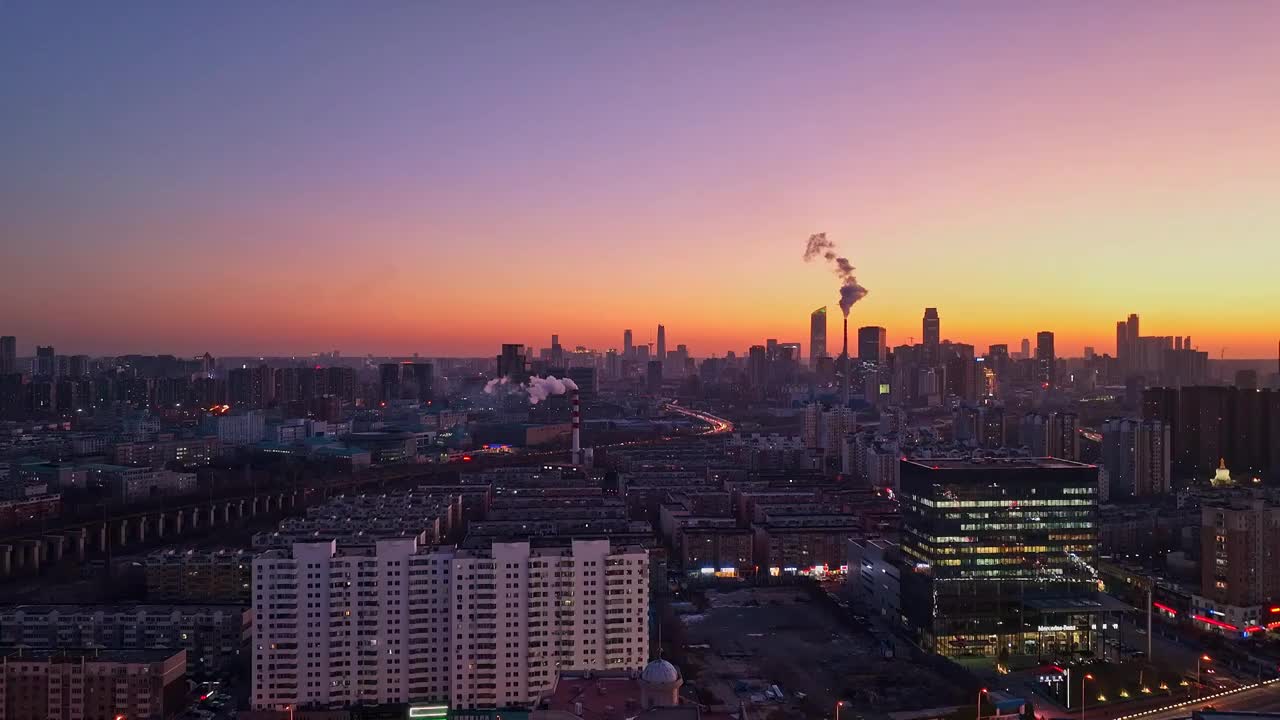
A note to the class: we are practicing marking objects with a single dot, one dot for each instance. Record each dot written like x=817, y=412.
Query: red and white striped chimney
x=577, y=425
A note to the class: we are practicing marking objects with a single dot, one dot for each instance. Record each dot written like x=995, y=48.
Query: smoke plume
x=850, y=291
x=538, y=389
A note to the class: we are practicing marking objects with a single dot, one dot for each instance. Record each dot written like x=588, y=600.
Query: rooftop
x=1012, y=463
x=134, y=655
x=122, y=608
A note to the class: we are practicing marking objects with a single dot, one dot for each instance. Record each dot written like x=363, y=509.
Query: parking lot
x=747, y=644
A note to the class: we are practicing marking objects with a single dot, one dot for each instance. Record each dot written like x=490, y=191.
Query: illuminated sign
x=1215, y=623
x=442, y=712
x=1056, y=628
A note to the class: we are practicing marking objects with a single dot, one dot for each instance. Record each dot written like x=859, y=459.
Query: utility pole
x=1151, y=604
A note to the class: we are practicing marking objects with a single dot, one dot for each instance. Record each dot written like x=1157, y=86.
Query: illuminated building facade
x=999, y=556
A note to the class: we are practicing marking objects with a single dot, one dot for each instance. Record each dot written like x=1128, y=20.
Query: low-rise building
x=189, y=452
x=134, y=484
x=221, y=576
x=213, y=635
x=91, y=684
x=803, y=540
x=875, y=577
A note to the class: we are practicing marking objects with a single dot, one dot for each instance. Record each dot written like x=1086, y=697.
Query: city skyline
x=270, y=186
x=26, y=349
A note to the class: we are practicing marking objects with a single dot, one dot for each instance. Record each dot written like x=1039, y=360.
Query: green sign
x=443, y=712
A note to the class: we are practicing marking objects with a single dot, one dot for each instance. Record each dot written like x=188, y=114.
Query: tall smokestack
x=577, y=426
x=845, y=352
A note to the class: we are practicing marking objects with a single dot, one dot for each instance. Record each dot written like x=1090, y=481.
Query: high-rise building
x=817, y=335
x=389, y=381
x=662, y=342
x=653, y=376
x=512, y=364
x=1246, y=379
x=1046, y=359
x=1240, y=553
x=932, y=334
x=45, y=365
x=557, y=352
x=473, y=628
x=1025, y=348
x=999, y=556
x=341, y=381
x=1212, y=423
x=757, y=366
x=585, y=379
x=417, y=381
x=1137, y=457
x=8, y=355
x=251, y=387
x=873, y=344
x=1055, y=435
x=628, y=346
x=78, y=366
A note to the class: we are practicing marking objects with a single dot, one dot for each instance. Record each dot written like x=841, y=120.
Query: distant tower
x=1046, y=358
x=1026, y=349
x=557, y=352
x=8, y=355
x=662, y=342
x=628, y=347
x=932, y=327
x=817, y=335
x=873, y=344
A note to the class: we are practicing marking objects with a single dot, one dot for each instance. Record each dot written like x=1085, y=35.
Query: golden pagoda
x=1222, y=477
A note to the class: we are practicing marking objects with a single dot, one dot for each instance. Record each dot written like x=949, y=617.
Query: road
x=1263, y=698
x=1171, y=651
x=718, y=425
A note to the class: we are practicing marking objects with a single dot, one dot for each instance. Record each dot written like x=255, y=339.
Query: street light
x=1204, y=658
x=1083, y=697
x=981, y=692
x=839, y=704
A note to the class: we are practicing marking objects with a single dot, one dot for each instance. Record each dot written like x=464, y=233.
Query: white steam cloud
x=538, y=389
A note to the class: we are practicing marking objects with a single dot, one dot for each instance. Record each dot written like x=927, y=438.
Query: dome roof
x=660, y=672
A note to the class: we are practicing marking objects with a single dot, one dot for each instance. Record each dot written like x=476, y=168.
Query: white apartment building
x=399, y=622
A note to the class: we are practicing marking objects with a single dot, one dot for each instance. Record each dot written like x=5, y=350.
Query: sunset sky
x=442, y=177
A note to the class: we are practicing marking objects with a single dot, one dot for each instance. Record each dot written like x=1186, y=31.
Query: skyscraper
x=1046, y=360
x=662, y=343
x=557, y=352
x=1025, y=348
x=757, y=366
x=817, y=335
x=8, y=355
x=45, y=366
x=1127, y=352
x=628, y=346
x=932, y=334
x=873, y=344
